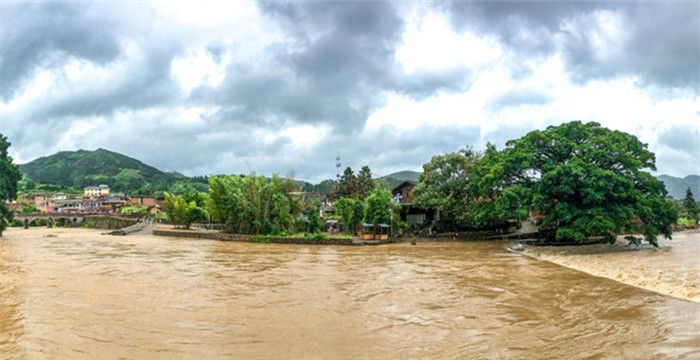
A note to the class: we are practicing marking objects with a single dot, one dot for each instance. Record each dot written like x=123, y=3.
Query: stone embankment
x=133, y=229
x=213, y=235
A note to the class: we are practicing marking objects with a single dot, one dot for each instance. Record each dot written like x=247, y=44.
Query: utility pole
x=337, y=168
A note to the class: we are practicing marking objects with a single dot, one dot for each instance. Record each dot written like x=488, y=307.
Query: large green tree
x=9, y=176
x=444, y=185
x=586, y=181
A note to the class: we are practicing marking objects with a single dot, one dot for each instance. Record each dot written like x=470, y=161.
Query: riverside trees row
x=583, y=181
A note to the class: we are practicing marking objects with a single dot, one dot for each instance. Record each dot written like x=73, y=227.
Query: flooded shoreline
x=73, y=293
x=673, y=269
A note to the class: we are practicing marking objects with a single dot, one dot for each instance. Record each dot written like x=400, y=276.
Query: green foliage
x=586, y=180
x=29, y=209
x=182, y=212
x=445, y=184
x=70, y=171
x=686, y=221
x=355, y=186
x=253, y=205
x=351, y=212
x=9, y=177
x=312, y=209
x=379, y=207
x=132, y=210
x=690, y=205
x=260, y=239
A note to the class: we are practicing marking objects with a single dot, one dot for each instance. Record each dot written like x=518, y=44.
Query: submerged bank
x=673, y=269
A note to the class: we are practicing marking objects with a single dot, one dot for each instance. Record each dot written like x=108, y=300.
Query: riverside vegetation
x=584, y=181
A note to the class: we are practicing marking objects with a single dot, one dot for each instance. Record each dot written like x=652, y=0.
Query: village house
x=43, y=203
x=410, y=214
x=145, y=201
x=96, y=191
x=59, y=196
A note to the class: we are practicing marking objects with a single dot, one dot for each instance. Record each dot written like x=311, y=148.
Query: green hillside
x=392, y=180
x=84, y=168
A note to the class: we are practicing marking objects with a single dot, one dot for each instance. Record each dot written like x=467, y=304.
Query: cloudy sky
x=285, y=87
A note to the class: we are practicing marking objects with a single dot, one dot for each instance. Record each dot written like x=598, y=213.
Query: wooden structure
x=375, y=232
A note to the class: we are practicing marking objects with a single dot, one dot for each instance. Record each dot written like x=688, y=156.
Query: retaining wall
x=248, y=238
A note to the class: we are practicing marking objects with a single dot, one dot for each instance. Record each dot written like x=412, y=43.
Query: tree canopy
x=9, y=176
x=379, y=207
x=183, y=212
x=355, y=186
x=586, y=181
x=253, y=205
x=445, y=184
x=351, y=212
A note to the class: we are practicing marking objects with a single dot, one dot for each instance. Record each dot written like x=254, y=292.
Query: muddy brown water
x=84, y=295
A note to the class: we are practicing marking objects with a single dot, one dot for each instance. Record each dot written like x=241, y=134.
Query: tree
x=364, y=183
x=347, y=184
x=690, y=205
x=312, y=208
x=351, y=212
x=9, y=177
x=585, y=179
x=445, y=184
x=379, y=207
x=253, y=205
x=182, y=212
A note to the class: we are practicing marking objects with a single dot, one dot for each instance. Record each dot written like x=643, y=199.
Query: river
x=70, y=293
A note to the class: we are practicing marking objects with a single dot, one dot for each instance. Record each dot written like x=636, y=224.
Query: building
x=145, y=201
x=59, y=196
x=43, y=203
x=410, y=214
x=97, y=191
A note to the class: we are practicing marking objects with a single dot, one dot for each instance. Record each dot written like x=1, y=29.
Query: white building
x=97, y=191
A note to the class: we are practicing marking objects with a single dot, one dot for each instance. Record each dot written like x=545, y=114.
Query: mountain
x=677, y=187
x=83, y=168
x=405, y=175
x=392, y=180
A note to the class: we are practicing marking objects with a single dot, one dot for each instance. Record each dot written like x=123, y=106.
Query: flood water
x=83, y=295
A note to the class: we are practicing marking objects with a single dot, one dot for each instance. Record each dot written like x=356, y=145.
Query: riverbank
x=672, y=269
x=216, y=235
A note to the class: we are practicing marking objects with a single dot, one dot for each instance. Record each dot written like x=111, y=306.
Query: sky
x=286, y=87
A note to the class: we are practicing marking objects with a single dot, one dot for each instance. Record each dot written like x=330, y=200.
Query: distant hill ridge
x=677, y=187
x=83, y=167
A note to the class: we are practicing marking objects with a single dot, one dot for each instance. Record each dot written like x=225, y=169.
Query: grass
x=685, y=221
x=264, y=239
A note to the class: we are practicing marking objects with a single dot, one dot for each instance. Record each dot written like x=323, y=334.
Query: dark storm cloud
x=341, y=60
x=38, y=35
x=663, y=46
x=332, y=68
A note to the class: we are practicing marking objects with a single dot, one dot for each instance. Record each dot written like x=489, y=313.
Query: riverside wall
x=211, y=235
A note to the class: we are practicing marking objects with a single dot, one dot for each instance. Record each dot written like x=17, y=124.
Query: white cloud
x=199, y=68
x=429, y=44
